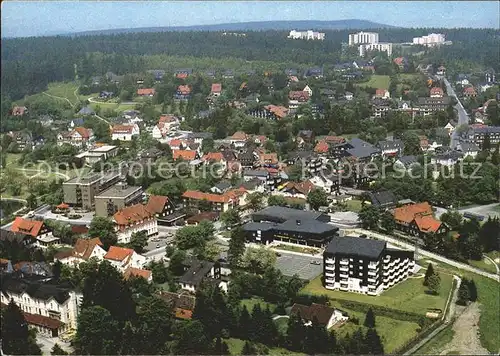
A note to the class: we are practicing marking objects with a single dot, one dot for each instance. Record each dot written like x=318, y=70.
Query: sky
x=38, y=18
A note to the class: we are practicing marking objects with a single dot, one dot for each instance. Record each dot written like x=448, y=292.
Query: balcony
x=344, y=262
x=329, y=280
x=344, y=269
x=330, y=268
x=330, y=274
x=372, y=273
x=330, y=261
x=373, y=265
x=343, y=275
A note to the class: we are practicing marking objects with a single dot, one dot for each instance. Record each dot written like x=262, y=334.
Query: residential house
x=309, y=160
x=296, y=190
x=183, y=92
x=216, y=90
x=239, y=139
x=401, y=62
x=166, y=123
x=210, y=73
x=78, y=137
x=216, y=158
x=404, y=163
x=382, y=199
x=382, y=94
x=348, y=96
x=391, y=148
x=441, y=70
x=297, y=98
x=448, y=159
x=132, y=272
x=198, y=272
x=146, y=92
x=322, y=147
x=361, y=150
x=98, y=154
x=468, y=149
x=218, y=203
x=160, y=206
x=330, y=183
x=125, y=132
x=315, y=72
x=83, y=250
x=436, y=92
x=23, y=139
x=133, y=219
x=248, y=159
x=427, y=106
x=19, y=111
x=268, y=160
x=477, y=135
x=380, y=107
x=123, y=258
x=51, y=308
x=276, y=112
x=185, y=155
x=228, y=74
x=198, y=137
x=318, y=313
x=36, y=229
x=86, y=111
x=462, y=80
x=183, y=73
x=418, y=220
x=450, y=127
x=469, y=92
x=221, y=187
x=308, y=90
x=182, y=303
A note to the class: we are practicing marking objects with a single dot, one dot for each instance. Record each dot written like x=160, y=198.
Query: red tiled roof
x=436, y=90
x=146, y=91
x=79, y=229
x=184, y=154
x=427, y=223
x=299, y=95
x=321, y=147
x=181, y=75
x=18, y=110
x=184, y=89
x=469, y=90
x=216, y=88
x=213, y=198
x=28, y=227
x=43, y=321
x=116, y=253
x=279, y=111
x=175, y=143
x=303, y=187
x=132, y=214
x=82, y=131
x=167, y=119
x=83, y=247
x=137, y=272
x=269, y=158
x=334, y=139
x=183, y=314
x=399, y=61
x=207, y=215
x=240, y=136
x=213, y=157
x=62, y=206
x=156, y=203
x=408, y=212
x=122, y=129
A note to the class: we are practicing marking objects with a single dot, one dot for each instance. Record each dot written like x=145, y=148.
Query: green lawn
x=252, y=302
x=496, y=207
x=236, y=346
x=394, y=333
x=377, y=81
x=64, y=90
x=353, y=205
x=484, y=264
x=408, y=295
x=113, y=106
x=436, y=344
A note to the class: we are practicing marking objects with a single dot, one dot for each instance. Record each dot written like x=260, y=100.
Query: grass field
x=236, y=346
x=435, y=345
x=296, y=248
x=353, y=205
x=113, y=106
x=64, y=90
x=484, y=264
x=408, y=295
x=408, y=76
x=252, y=302
x=377, y=81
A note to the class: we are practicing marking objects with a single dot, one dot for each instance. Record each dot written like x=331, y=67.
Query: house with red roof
x=321, y=147
x=165, y=124
x=36, y=229
x=296, y=98
x=216, y=89
x=146, y=92
x=83, y=250
x=215, y=158
x=76, y=137
x=19, y=111
x=418, y=220
x=160, y=205
x=217, y=202
x=296, y=190
x=134, y=218
x=185, y=155
x=470, y=92
x=125, y=132
x=182, y=303
x=382, y=94
x=436, y=92
x=123, y=258
x=138, y=273
x=183, y=92
x=239, y=139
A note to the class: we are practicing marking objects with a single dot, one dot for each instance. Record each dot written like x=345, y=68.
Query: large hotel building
x=361, y=265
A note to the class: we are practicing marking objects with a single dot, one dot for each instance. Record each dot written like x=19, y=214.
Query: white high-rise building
x=306, y=35
x=431, y=39
x=382, y=47
x=363, y=38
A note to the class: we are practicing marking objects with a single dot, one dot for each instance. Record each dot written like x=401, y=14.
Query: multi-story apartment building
x=427, y=106
x=477, y=135
x=81, y=191
x=135, y=218
x=363, y=38
x=49, y=307
x=381, y=47
x=432, y=39
x=117, y=197
x=360, y=265
x=306, y=35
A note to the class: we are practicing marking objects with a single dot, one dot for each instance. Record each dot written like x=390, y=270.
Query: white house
x=49, y=308
x=449, y=127
x=323, y=182
x=123, y=258
x=134, y=218
x=468, y=149
x=83, y=250
x=124, y=132
x=197, y=272
x=166, y=124
x=76, y=137
x=322, y=314
x=448, y=159
x=308, y=90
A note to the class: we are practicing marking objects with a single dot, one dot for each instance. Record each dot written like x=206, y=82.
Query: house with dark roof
x=50, y=307
x=160, y=206
x=468, y=149
x=361, y=150
x=362, y=265
x=392, y=148
x=318, y=313
x=315, y=72
x=449, y=158
x=382, y=199
x=198, y=272
x=406, y=162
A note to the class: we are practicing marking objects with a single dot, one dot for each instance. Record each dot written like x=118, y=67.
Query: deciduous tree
x=104, y=229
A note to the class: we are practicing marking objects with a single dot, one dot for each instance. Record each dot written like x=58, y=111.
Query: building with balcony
x=117, y=197
x=306, y=35
x=360, y=265
x=81, y=191
x=363, y=38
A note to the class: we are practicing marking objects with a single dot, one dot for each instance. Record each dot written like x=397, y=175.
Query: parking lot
x=290, y=264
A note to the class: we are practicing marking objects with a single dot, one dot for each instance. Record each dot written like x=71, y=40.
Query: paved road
x=494, y=263
x=463, y=117
x=484, y=210
x=428, y=254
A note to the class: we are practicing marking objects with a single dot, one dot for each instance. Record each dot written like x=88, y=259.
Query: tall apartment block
x=360, y=265
x=81, y=191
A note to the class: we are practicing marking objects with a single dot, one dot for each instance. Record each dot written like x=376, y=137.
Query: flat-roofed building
x=97, y=154
x=81, y=191
x=116, y=198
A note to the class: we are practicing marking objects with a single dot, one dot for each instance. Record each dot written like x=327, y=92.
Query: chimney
x=298, y=222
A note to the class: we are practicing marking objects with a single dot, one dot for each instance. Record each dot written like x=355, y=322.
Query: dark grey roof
x=486, y=129
x=390, y=145
x=35, y=289
x=223, y=185
x=282, y=214
x=255, y=226
x=202, y=135
x=383, y=198
x=361, y=149
x=434, y=101
x=256, y=173
x=307, y=226
x=7, y=235
x=408, y=160
x=252, y=184
x=290, y=71
x=195, y=274
x=356, y=246
x=468, y=147
x=453, y=155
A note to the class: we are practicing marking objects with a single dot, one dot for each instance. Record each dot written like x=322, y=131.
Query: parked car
x=315, y=262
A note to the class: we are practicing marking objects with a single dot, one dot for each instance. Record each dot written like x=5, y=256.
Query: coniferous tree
x=357, y=343
x=463, y=293
x=221, y=347
x=472, y=290
x=57, y=350
x=16, y=339
x=243, y=322
x=370, y=319
x=296, y=333
x=434, y=283
x=248, y=349
x=373, y=343
x=429, y=272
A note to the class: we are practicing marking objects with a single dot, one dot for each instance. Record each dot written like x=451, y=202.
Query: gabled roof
x=184, y=89
x=239, y=136
x=383, y=198
x=83, y=247
x=146, y=91
x=408, y=212
x=303, y=187
x=156, y=204
x=186, y=155
x=132, y=214
x=321, y=147
x=318, y=312
x=427, y=223
x=137, y=272
x=216, y=88
x=123, y=129
x=213, y=157
x=116, y=253
x=213, y=198
x=27, y=227
x=278, y=111
x=82, y=131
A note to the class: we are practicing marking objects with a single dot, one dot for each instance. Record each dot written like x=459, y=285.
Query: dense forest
x=29, y=64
